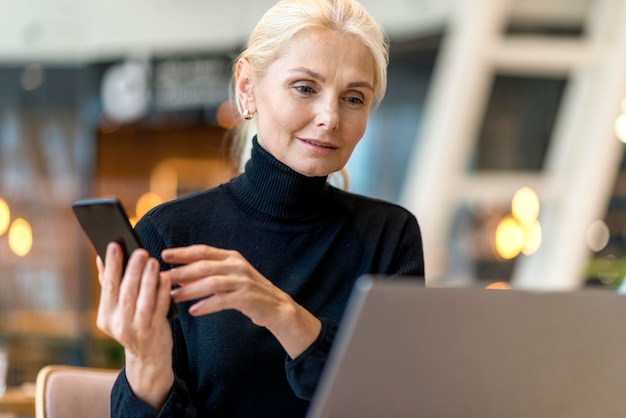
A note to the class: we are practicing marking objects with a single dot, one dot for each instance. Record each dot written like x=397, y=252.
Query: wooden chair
x=63, y=391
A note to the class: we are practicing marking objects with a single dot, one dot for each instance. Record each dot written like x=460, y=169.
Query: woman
x=262, y=267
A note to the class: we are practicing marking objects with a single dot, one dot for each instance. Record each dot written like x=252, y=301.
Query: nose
x=328, y=114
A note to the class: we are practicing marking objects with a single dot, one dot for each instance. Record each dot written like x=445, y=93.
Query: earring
x=247, y=115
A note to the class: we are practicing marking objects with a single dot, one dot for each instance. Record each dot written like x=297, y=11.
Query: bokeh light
x=525, y=205
x=499, y=286
x=146, y=202
x=32, y=77
x=20, y=237
x=598, y=235
x=509, y=238
x=532, y=237
x=164, y=180
x=520, y=233
x=228, y=115
x=620, y=127
x=5, y=217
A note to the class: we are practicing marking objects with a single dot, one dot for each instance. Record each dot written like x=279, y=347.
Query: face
x=313, y=102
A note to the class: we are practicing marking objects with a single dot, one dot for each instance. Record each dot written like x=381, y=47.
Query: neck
x=274, y=190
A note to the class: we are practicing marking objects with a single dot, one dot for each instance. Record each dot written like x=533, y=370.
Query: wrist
x=150, y=380
x=296, y=328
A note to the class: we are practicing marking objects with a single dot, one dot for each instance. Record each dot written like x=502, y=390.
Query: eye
x=356, y=101
x=303, y=89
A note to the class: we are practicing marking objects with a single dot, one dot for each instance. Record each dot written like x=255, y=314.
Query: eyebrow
x=323, y=79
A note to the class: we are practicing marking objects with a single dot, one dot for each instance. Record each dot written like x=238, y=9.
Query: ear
x=244, y=83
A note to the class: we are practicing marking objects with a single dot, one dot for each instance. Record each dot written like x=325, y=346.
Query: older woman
x=262, y=266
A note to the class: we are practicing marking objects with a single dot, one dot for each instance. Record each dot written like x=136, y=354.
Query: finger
x=227, y=300
x=186, y=255
x=129, y=289
x=209, y=305
x=110, y=276
x=204, y=288
x=146, y=298
x=111, y=273
x=233, y=263
x=163, y=298
x=196, y=270
x=100, y=267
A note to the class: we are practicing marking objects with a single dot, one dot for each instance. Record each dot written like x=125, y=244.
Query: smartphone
x=104, y=220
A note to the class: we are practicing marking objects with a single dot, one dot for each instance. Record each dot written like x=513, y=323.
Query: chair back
x=70, y=391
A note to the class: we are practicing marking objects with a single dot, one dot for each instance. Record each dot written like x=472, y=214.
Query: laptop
x=404, y=350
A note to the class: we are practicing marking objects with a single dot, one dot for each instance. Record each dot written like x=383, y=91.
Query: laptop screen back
x=406, y=351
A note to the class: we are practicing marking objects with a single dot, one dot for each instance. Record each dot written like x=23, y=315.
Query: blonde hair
x=289, y=17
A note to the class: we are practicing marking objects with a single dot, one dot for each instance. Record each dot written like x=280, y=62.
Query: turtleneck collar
x=271, y=190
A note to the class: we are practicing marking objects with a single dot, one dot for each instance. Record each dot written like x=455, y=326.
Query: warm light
x=228, y=115
x=164, y=180
x=521, y=232
x=5, y=217
x=624, y=105
x=598, y=235
x=620, y=127
x=532, y=238
x=509, y=238
x=20, y=237
x=525, y=205
x=499, y=286
x=146, y=202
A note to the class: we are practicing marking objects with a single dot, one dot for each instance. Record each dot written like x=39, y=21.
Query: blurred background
x=501, y=130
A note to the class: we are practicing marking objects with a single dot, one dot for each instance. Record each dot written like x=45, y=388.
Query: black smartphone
x=104, y=220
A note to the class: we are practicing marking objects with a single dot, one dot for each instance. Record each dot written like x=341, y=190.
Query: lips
x=319, y=144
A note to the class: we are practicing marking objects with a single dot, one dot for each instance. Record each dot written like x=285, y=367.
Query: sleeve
x=123, y=401
x=408, y=257
x=125, y=404
x=304, y=372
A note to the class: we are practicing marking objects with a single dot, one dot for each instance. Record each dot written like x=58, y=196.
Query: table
x=18, y=401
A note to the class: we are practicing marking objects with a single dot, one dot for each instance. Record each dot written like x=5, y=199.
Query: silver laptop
x=408, y=351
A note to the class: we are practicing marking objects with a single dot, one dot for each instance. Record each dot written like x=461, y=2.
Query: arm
x=305, y=371
x=125, y=404
x=223, y=279
x=133, y=310
x=408, y=257
x=175, y=399
x=178, y=403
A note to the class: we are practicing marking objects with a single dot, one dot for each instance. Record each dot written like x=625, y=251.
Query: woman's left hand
x=223, y=279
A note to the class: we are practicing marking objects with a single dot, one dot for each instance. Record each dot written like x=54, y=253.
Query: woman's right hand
x=133, y=310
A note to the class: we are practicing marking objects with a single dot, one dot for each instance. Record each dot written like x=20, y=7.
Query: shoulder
x=392, y=231
x=359, y=204
x=186, y=205
x=176, y=222
x=174, y=213
x=373, y=216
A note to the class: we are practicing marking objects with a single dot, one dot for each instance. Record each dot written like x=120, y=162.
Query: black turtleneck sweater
x=312, y=241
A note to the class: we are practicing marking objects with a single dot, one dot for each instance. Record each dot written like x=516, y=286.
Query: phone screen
x=104, y=220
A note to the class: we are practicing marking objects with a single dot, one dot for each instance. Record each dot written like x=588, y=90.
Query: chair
x=63, y=391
